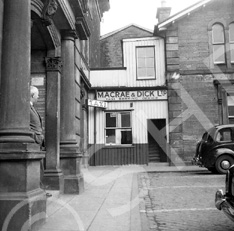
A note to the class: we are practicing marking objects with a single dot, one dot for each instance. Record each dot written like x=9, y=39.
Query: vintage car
x=215, y=151
x=225, y=201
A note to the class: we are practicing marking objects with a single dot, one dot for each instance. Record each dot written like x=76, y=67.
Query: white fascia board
x=181, y=14
x=141, y=39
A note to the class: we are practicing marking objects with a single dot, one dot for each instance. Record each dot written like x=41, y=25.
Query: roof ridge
x=123, y=28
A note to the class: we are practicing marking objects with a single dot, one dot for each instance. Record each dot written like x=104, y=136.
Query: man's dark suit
x=36, y=126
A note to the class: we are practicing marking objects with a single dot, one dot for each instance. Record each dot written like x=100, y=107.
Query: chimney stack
x=163, y=3
x=163, y=12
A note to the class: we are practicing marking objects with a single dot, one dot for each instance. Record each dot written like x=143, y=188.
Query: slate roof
x=123, y=28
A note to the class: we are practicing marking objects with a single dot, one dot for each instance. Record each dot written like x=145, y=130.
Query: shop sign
x=96, y=103
x=132, y=95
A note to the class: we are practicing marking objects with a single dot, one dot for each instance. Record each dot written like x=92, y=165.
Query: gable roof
x=163, y=25
x=123, y=28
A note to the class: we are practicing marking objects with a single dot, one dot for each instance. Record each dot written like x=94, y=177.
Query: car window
x=224, y=135
x=204, y=137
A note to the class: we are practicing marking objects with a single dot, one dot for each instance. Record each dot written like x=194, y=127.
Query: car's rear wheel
x=223, y=163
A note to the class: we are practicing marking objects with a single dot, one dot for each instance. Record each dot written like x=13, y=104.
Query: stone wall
x=192, y=95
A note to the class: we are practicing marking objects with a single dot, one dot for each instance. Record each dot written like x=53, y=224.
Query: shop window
x=230, y=102
x=118, y=130
x=145, y=57
x=218, y=43
x=231, y=40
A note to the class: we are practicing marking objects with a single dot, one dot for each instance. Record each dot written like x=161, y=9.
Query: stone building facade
x=200, y=71
x=46, y=43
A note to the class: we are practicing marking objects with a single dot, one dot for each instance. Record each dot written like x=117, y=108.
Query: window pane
x=149, y=52
x=150, y=62
x=217, y=34
x=231, y=120
x=224, y=135
x=204, y=137
x=111, y=119
x=141, y=62
x=231, y=110
x=125, y=120
x=140, y=52
x=141, y=72
x=231, y=32
x=145, y=62
x=126, y=137
x=227, y=136
x=150, y=72
x=232, y=52
x=110, y=136
x=218, y=54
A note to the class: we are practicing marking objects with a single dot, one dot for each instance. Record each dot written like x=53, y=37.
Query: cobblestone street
x=181, y=201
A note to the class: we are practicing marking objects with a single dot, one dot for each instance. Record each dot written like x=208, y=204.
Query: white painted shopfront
x=132, y=129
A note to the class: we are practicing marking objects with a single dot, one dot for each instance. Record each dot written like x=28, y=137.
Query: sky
x=139, y=12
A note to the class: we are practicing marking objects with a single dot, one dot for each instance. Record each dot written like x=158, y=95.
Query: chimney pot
x=163, y=3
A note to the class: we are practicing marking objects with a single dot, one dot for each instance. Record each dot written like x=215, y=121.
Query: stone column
x=22, y=202
x=52, y=178
x=84, y=126
x=69, y=148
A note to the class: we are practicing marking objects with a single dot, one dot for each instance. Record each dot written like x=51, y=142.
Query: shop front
x=128, y=126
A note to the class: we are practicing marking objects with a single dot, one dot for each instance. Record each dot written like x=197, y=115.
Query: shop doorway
x=156, y=140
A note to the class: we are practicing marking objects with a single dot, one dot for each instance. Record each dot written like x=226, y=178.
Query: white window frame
x=218, y=46
x=231, y=41
x=146, y=67
x=118, y=128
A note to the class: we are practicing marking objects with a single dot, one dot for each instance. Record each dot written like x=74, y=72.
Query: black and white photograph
x=116, y=115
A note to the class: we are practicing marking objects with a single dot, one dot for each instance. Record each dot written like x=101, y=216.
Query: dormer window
x=145, y=57
x=218, y=42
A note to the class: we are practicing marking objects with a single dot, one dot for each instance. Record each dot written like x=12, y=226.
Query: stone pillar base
x=72, y=176
x=22, y=201
x=85, y=161
x=52, y=180
x=73, y=184
x=22, y=211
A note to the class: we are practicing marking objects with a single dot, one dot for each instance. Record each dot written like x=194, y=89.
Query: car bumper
x=223, y=203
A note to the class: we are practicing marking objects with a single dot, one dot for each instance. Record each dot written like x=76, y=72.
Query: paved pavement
x=110, y=202
x=181, y=201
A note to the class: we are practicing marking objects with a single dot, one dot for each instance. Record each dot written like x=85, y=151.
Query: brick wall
x=111, y=46
x=193, y=104
x=193, y=34
x=200, y=109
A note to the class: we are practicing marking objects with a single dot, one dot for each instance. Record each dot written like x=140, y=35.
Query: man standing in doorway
x=35, y=118
x=36, y=128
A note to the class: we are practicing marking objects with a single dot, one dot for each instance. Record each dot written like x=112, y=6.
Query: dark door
x=157, y=140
